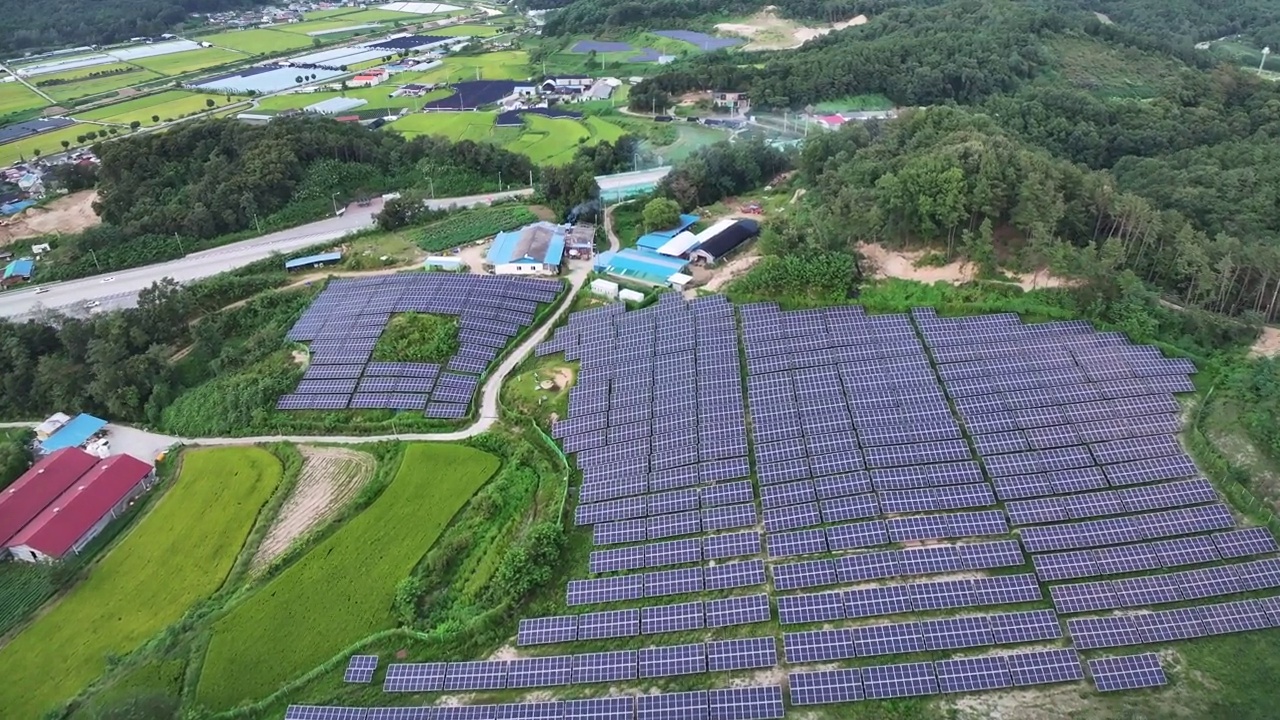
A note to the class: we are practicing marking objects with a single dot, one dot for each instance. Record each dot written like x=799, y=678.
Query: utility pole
x=95, y=259
x=180, y=248
x=530, y=178
x=433, y=187
x=499, y=181
x=332, y=198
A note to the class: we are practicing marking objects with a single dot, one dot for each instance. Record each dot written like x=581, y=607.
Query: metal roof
x=540, y=242
x=312, y=260
x=74, y=434
x=73, y=513
x=31, y=493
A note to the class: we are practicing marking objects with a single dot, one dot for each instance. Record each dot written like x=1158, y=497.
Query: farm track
x=329, y=478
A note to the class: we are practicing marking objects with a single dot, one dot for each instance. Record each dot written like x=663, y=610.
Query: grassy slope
x=341, y=591
x=177, y=554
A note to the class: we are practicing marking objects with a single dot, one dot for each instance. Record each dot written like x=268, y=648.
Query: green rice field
x=505, y=65
x=546, y=141
x=365, y=16
x=185, y=62
x=168, y=105
x=47, y=142
x=99, y=85
x=341, y=590
x=258, y=41
x=472, y=30
x=16, y=97
x=303, y=28
x=179, y=552
x=81, y=72
x=477, y=126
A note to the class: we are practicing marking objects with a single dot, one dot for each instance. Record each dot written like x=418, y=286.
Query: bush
x=418, y=337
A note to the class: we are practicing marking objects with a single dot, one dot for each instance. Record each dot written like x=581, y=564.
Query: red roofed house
x=66, y=522
x=31, y=493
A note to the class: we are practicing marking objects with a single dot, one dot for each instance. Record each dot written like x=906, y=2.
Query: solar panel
x=324, y=712
x=957, y=632
x=818, y=645
x=819, y=607
x=476, y=675
x=749, y=653
x=746, y=703
x=1115, y=631
x=717, y=547
x=1165, y=625
x=609, y=624
x=826, y=687
x=1245, y=542
x=734, y=575
x=1127, y=672
x=1233, y=617
x=672, y=660
x=1042, y=667
x=414, y=677
x=738, y=610
x=544, y=630
x=883, y=682
x=673, y=582
x=673, y=706
x=599, y=667
x=360, y=669
x=972, y=674
x=539, y=671
x=890, y=639
x=612, y=708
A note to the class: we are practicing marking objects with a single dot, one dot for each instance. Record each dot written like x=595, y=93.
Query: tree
x=298, y=80
x=66, y=144
x=92, y=134
x=660, y=214
x=209, y=102
x=135, y=124
x=81, y=139
x=36, y=152
x=155, y=118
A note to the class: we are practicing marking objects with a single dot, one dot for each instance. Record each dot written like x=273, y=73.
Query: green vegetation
x=82, y=73
x=168, y=105
x=854, y=103
x=456, y=126
x=418, y=337
x=259, y=41
x=190, y=61
x=92, y=86
x=466, y=226
x=23, y=587
x=660, y=214
x=338, y=593
x=471, y=30
x=501, y=65
x=179, y=553
x=16, y=97
x=377, y=98
x=549, y=141
x=47, y=143
x=1113, y=71
x=545, y=141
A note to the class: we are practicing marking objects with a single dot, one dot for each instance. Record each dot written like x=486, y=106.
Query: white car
x=109, y=279
x=92, y=304
x=42, y=290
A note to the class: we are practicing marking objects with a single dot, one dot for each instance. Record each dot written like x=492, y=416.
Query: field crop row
x=340, y=591
x=179, y=553
x=467, y=226
x=168, y=105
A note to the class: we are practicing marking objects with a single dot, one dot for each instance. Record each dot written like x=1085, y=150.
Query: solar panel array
x=360, y=669
x=343, y=325
x=920, y=636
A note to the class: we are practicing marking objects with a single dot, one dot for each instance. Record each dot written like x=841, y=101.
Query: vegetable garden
x=468, y=226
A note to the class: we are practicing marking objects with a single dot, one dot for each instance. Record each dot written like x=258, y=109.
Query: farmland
x=16, y=97
x=544, y=140
x=99, y=85
x=504, y=65
x=341, y=590
x=23, y=586
x=467, y=30
x=258, y=41
x=185, y=62
x=377, y=97
x=47, y=143
x=180, y=552
x=303, y=28
x=468, y=226
x=167, y=105
x=453, y=125
x=366, y=16
x=550, y=141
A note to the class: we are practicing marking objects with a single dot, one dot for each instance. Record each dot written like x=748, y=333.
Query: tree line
x=64, y=23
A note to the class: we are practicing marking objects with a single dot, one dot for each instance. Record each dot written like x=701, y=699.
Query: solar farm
x=344, y=323
x=883, y=506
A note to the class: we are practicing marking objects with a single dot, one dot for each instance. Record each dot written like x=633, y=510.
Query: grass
x=418, y=337
x=546, y=141
x=855, y=103
x=466, y=226
x=341, y=591
x=550, y=141
x=16, y=97
x=504, y=65
x=168, y=105
x=23, y=586
x=81, y=73
x=523, y=392
x=1112, y=70
x=471, y=30
x=357, y=17
x=99, y=85
x=185, y=62
x=47, y=142
x=258, y=41
x=179, y=553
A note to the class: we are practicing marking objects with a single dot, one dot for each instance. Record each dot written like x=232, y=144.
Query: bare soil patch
x=1267, y=344
x=715, y=278
x=70, y=214
x=473, y=256
x=902, y=264
x=766, y=31
x=329, y=478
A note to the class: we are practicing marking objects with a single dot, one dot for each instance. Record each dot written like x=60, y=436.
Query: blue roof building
x=640, y=265
x=536, y=249
x=19, y=271
x=75, y=433
x=658, y=238
x=313, y=260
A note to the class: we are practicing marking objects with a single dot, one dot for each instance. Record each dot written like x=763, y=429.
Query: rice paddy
x=258, y=41
x=186, y=62
x=169, y=105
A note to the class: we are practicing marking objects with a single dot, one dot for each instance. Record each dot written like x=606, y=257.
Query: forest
x=66, y=23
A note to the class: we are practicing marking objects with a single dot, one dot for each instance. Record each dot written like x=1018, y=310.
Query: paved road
x=120, y=289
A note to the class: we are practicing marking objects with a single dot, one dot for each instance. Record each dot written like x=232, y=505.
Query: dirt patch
x=889, y=263
x=329, y=478
x=473, y=256
x=563, y=377
x=70, y=214
x=715, y=278
x=543, y=212
x=1267, y=344
x=766, y=31
x=54, y=110
x=506, y=652
x=299, y=357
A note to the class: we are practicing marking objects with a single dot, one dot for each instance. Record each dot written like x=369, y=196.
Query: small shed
x=442, y=262
x=626, y=295
x=51, y=425
x=680, y=281
x=680, y=245
x=313, y=261
x=604, y=288
x=18, y=272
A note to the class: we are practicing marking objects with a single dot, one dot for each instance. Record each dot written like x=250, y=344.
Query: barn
x=65, y=500
x=722, y=239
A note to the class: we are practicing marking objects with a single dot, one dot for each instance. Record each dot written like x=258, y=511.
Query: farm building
x=679, y=246
x=18, y=272
x=621, y=186
x=536, y=249
x=51, y=425
x=728, y=236
x=567, y=83
x=640, y=265
x=658, y=238
x=65, y=500
x=335, y=106
x=366, y=80
x=311, y=261
x=74, y=433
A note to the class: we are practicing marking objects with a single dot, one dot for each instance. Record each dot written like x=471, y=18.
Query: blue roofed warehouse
x=18, y=271
x=313, y=261
x=536, y=249
x=658, y=238
x=640, y=265
x=75, y=433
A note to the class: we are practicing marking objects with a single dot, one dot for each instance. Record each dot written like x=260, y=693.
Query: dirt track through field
x=330, y=477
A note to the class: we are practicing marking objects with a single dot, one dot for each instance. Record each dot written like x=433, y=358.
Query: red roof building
x=73, y=518
x=31, y=493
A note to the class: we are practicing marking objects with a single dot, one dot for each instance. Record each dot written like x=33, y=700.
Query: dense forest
x=57, y=24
